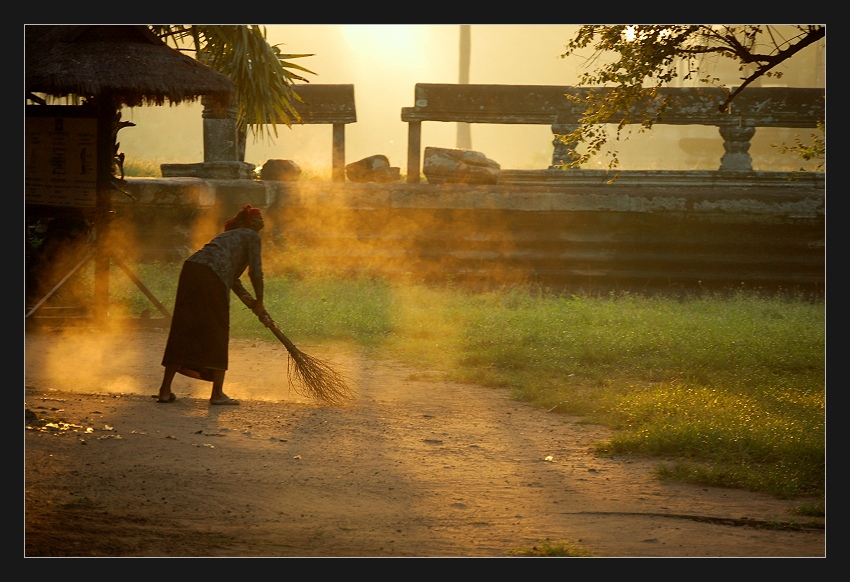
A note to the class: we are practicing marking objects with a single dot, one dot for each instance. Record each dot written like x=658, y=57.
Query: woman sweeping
x=200, y=327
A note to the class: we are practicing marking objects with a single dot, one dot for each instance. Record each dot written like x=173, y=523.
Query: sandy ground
x=413, y=466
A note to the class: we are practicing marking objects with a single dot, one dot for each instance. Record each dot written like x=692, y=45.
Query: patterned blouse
x=229, y=254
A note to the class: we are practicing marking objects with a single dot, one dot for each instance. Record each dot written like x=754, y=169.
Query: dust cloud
x=115, y=362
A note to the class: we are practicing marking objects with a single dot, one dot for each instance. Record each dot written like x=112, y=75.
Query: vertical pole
x=105, y=149
x=464, y=131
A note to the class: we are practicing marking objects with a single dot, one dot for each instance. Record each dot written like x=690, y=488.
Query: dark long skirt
x=200, y=325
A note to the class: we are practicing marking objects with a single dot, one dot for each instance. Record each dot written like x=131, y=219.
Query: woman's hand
x=260, y=311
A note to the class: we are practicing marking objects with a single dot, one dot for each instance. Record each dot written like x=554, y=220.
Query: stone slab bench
x=548, y=104
x=323, y=104
x=332, y=105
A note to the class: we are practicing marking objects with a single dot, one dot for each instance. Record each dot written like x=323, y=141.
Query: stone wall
x=645, y=231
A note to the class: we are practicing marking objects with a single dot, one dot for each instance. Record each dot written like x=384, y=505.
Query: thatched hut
x=128, y=63
x=105, y=68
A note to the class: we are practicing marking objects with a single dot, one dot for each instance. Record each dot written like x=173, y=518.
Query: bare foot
x=224, y=400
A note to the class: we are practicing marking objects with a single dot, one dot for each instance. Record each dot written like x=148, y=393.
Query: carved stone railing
x=547, y=104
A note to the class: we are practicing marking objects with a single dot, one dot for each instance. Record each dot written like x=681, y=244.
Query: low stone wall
x=645, y=231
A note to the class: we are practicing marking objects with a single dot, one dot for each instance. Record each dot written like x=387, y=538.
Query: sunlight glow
x=390, y=43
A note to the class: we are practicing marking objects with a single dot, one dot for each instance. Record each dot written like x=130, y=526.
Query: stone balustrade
x=547, y=104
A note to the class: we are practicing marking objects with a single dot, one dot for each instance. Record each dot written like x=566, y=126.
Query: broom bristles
x=312, y=377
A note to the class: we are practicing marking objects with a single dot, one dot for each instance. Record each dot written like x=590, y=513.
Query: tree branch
x=773, y=60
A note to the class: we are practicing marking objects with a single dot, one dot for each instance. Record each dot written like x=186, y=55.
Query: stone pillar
x=736, y=142
x=564, y=152
x=414, y=144
x=220, y=132
x=338, y=153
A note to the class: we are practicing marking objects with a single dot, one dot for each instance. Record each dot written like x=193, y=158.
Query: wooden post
x=103, y=210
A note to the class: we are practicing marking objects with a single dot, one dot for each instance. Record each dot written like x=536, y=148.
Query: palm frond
x=262, y=74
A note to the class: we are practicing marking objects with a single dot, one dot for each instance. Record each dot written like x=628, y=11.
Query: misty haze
x=384, y=62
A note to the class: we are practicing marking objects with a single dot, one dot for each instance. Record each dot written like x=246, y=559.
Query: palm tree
x=262, y=74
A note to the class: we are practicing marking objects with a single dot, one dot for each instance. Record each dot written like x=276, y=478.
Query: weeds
x=563, y=549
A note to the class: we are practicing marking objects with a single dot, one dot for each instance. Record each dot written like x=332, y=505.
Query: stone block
x=210, y=170
x=372, y=169
x=280, y=171
x=459, y=166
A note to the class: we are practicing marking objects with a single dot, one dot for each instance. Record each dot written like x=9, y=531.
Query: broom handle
x=283, y=339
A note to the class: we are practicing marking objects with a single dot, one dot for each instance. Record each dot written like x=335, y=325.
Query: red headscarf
x=243, y=218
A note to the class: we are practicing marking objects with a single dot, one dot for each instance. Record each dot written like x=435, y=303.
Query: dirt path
x=414, y=466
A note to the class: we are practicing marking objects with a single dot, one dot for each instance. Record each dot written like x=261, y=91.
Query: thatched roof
x=127, y=62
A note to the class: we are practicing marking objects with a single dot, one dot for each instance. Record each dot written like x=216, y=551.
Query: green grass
x=141, y=168
x=556, y=549
x=725, y=390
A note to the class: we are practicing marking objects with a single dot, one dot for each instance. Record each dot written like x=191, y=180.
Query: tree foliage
x=813, y=150
x=633, y=62
x=262, y=73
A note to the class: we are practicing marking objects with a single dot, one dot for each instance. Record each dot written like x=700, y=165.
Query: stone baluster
x=564, y=152
x=736, y=142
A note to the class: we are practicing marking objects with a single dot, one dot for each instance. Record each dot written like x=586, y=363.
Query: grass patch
x=142, y=168
x=557, y=549
x=811, y=509
x=728, y=389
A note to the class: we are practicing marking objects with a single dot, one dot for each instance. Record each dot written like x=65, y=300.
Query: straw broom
x=310, y=376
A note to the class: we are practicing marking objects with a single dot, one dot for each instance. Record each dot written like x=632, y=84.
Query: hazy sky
x=384, y=62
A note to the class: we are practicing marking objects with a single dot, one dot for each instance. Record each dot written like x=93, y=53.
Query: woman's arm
x=243, y=294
